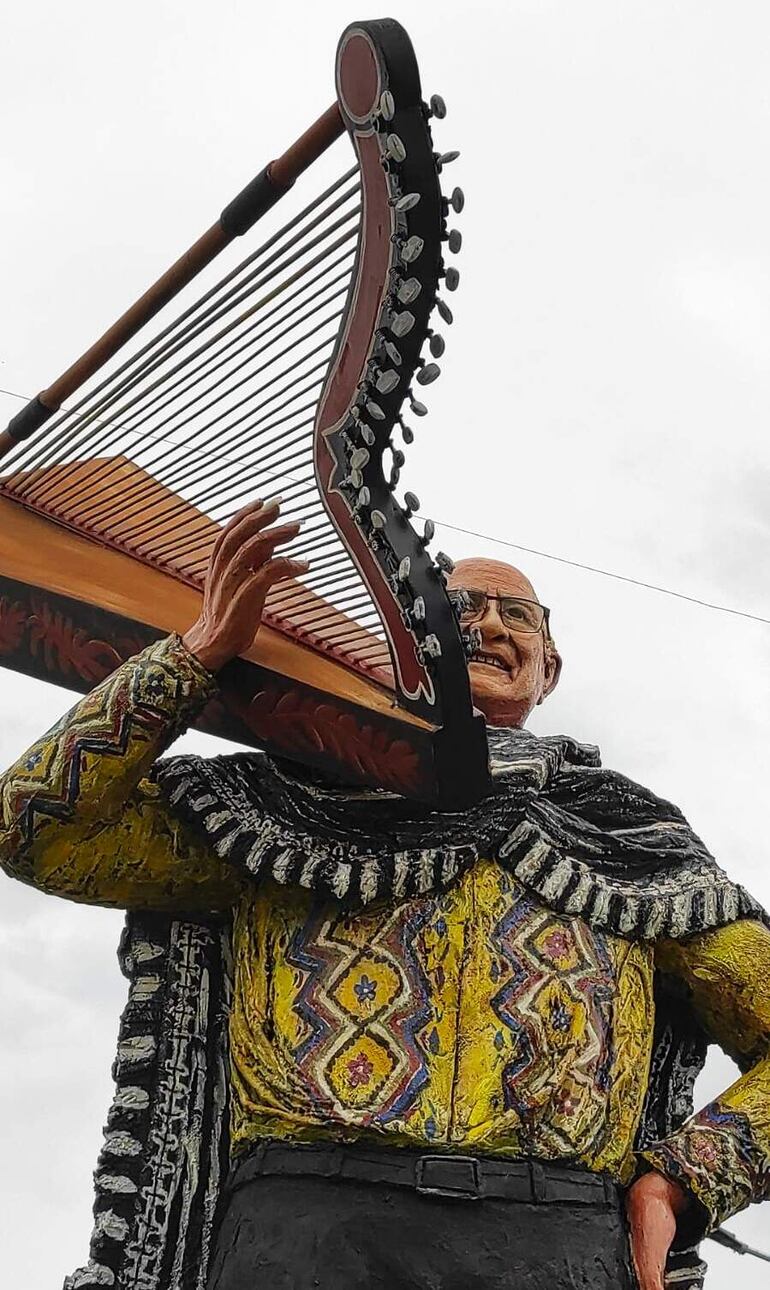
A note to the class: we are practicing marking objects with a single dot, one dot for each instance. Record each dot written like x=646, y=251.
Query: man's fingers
x=283, y=566
x=245, y=523
x=254, y=505
x=277, y=570
x=252, y=556
x=292, y=568
x=248, y=602
x=252, y=551
x=250, y=520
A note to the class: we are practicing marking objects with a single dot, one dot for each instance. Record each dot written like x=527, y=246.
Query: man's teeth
x=490, y=660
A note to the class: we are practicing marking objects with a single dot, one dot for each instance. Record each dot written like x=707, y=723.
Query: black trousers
x=324, y=1233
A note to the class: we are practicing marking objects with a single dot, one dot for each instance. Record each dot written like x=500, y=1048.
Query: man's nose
x=491, y=624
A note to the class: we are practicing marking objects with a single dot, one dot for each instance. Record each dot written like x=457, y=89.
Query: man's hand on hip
x=652, y=1206
x=242, y=569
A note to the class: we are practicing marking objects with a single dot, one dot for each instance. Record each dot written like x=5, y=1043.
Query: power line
x=544, y=555
x=606, y=573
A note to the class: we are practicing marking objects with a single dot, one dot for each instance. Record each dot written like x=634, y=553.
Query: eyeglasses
x=518, y=614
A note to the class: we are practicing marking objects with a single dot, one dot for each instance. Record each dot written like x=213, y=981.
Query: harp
x=286, y=375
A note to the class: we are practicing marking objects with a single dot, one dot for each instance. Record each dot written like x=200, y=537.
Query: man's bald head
x=513, y=669
x=498, y=572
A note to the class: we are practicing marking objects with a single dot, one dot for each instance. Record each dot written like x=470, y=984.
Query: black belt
x=445, y=1174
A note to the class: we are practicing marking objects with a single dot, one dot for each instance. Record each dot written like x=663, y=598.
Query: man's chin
x=496, y=694
x=490, y=680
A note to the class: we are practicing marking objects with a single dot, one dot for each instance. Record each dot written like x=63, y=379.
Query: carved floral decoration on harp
x=61, y=646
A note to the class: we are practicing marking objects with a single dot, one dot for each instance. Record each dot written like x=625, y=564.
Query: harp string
x=27, y=450
x=335, y=577
x=132, y=427
x=228, y=488
x=80, y=431
x=169, y=454
x=212, y=428
x=213, y=411
x=322, y=614
x=171, y=542
x=284, y=393
x=210, y=465
x=154, y=459
x=117, y=527
x=224, y=493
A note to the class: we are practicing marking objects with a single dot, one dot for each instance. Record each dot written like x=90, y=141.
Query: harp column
x=370, y=374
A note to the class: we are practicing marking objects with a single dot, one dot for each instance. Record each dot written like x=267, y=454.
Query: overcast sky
x=604, y=399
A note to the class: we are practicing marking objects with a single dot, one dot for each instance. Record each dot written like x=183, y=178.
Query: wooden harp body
x=288, y=375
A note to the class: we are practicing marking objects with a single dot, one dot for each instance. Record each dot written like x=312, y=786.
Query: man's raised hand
x=242, y=569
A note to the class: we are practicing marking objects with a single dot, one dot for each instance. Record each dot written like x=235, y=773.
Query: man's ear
x=552, y=669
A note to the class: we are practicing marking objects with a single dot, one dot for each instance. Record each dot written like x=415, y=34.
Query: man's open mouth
x=490, y=660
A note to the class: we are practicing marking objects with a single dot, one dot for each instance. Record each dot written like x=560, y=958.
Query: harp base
x=74, y=644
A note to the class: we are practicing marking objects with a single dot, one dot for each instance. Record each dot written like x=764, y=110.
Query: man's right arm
x=79, y=818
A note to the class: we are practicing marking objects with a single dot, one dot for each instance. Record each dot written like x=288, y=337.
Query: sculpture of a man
x=444, y=1088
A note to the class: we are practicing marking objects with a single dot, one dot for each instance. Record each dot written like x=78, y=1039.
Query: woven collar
x=587, y=841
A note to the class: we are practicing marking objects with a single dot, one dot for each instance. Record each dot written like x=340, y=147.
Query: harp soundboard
x=293, y=374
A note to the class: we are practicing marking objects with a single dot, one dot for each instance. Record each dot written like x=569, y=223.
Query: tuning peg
x=445, y=313
x=444, y=562
x=359, y=458
x=457, y=200
x=471, y=641
x=387, y=381
x=412, y=249
x=454, y=240
x=411, y=504
x=406, y=203
x=407, y=434
x=446, y=158
x=432, y=646
x=460, y=602
x=428, y=374
x=394, y=149
x=387, y=105
x=404, y=569
x=437, y=107
x=355, y=478
x=364, y=496
x=409, y=290
x=419, y=409
x=395, y=470
x=437, y=344
x=451, y=279
x=393, y=353
x=401, y=324
x=368, y=435
x=428, y=532
x=378, y=520
x=375, y=410
x=418, y=609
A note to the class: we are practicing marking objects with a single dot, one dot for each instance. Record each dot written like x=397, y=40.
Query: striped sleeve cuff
x=170, y=681
x=715, y=1159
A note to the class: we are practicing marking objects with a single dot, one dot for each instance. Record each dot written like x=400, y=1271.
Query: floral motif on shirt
x=556, y=987
x=364, y=1005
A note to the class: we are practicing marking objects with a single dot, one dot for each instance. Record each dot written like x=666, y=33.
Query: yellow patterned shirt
x=475, y=1019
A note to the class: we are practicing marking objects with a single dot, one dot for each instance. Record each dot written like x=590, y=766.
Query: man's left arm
x=721, y=1156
